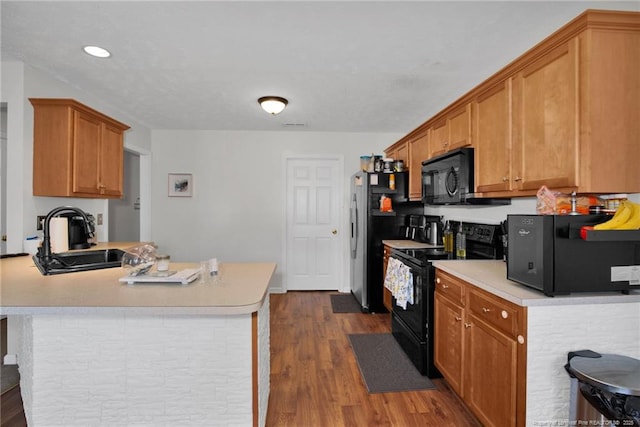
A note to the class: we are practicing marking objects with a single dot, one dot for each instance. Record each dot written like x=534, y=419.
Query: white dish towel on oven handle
x=399, y=281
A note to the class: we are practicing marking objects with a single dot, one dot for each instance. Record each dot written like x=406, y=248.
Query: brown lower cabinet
x=480, y=349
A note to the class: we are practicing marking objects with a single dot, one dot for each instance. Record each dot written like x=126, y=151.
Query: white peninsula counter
x=96, y=351
x=602, y=322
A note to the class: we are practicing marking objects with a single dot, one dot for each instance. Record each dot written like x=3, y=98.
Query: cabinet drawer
x=499, y=314
x=450, y=288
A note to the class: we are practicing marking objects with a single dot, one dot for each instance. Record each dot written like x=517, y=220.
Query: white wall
x=238, y=208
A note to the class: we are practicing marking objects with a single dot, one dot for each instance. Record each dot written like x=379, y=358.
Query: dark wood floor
x=315, y=379
x=11, y=412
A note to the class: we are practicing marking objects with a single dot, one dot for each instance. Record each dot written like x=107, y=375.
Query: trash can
x=605, y=389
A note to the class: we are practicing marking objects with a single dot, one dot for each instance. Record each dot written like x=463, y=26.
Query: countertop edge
x=409, y=244
x=523, y=296
x=189, y=311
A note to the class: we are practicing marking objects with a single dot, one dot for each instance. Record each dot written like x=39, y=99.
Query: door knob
x=334, y=231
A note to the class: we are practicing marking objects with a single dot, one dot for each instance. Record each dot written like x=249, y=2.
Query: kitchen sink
x=71, y=262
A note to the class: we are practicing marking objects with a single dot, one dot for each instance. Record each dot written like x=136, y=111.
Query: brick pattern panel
x=142, y=370
x=264, y=362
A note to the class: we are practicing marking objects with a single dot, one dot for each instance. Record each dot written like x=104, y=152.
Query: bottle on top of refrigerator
x=461, y=244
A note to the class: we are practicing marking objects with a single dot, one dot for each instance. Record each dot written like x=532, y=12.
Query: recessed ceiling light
x=97, y=51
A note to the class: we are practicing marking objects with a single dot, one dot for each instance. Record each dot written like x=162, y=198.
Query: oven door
x=414, y=316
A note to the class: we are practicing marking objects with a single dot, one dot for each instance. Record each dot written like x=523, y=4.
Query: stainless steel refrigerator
x=369, y=226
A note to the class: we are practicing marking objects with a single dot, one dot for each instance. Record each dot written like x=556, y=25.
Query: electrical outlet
x=40, y=225
x=99, y=219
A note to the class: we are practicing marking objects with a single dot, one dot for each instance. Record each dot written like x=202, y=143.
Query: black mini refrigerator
x=552, y=254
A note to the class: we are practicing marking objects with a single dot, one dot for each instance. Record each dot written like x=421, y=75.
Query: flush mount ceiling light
x=97, y=51
x=273, y=104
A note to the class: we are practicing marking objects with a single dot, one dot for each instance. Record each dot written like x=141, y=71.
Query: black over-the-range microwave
x=448, y=179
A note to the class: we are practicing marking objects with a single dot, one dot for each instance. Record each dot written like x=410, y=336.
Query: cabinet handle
x=437, y=280
x=467, y=325
x=520, y=339
x=445, y=286
x=505, y=179
x=458, y=318
x=517, y=178
x=504, y=314
x=485, y=309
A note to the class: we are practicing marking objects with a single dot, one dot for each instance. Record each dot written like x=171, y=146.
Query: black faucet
x=45, y=253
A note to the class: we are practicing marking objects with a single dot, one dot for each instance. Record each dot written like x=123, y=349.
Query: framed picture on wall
x=180, y=185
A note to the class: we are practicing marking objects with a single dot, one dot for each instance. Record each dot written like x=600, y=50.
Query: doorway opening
x=3, y=178
x=124, y=213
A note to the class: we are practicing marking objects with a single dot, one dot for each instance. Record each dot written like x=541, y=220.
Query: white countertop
x=23, y=290
x=409, y=244
x=492, y=277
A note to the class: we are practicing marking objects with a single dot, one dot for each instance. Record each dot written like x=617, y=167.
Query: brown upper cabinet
x=492, y=135
x=413, y=150
x=545, y=121
x=418, y=152
x=77, y=151
x=564, y=114
x=439, y=138
x=399, y=151
x=451, y=132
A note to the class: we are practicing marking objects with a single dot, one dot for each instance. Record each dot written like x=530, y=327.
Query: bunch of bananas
x=627, y=217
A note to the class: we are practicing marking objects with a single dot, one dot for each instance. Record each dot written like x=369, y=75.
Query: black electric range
x=411, y=325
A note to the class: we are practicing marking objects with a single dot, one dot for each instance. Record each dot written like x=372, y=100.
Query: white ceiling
x=344, y=66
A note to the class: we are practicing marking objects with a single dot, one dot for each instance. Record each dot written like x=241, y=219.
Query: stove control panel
x=482, y=233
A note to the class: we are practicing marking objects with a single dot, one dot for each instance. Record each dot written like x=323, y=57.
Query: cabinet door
x=459, y=128
x=610, y=105
x=439, y=138
x=490, y=374
x=492, y=139
x=418, y=152
x=545, y=121
x=111, y=161
x=448, y=348
x=87, y=132
x=402, y=153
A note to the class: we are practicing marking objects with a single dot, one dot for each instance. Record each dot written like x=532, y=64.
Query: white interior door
x=313, y=196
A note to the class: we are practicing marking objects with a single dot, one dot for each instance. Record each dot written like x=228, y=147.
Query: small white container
x=162, y=262
x=31, y=246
